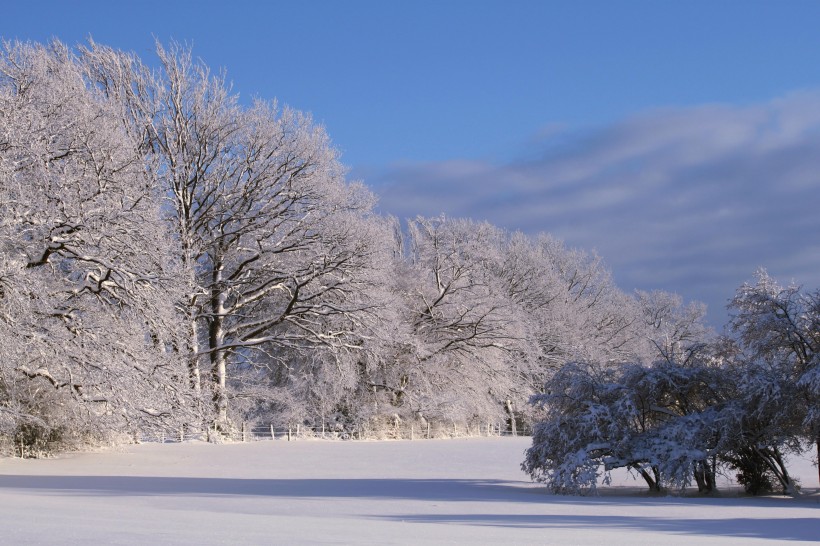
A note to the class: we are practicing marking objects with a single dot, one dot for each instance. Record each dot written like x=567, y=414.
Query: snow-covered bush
x=586, y=425
x=658, y=421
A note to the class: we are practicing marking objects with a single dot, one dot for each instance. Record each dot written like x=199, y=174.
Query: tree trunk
x=220, y=397
x=705, y=477
x=772, y=458
x=193, y=365
x=216, y=340
x=654, y=483
x=508, y=406
x=219, y=373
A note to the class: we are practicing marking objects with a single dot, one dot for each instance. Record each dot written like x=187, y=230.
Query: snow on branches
x=735, y=403
x=171, y=257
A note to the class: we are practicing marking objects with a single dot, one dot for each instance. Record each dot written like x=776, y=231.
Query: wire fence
x=249, y=432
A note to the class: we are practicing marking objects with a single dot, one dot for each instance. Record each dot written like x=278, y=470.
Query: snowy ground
x=422, y=492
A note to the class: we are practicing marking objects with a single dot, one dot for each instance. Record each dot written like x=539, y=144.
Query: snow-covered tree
x=778, y=331
x=85, y=271
x=260, y=211
x=675, y=332
x=450, y=329
x=574, y=309
x=480, y=318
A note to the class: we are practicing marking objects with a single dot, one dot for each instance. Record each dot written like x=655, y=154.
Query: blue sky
x=679, y=139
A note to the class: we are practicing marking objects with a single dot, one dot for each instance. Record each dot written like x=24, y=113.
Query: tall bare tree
x=260, y=211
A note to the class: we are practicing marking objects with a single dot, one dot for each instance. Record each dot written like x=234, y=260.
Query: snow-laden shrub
x=672, y=424
x=659, y=421
x=586, y=431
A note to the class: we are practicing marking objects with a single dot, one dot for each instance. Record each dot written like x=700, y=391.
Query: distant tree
x=586, y=316
x=675, y=332
x=449, y=331
x=478, y=310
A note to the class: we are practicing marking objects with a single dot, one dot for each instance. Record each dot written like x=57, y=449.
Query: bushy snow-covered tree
x=85, y=270
x=778, y=331
x=659, y=421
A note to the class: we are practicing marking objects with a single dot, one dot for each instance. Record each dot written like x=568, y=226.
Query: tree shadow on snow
x=799, y=529
x=396, y=489
x=441, y=490
x=381, y=488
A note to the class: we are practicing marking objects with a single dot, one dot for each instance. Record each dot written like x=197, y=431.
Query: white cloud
x=691, y=199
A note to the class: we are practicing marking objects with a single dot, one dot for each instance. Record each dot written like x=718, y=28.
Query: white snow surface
x=455, y=491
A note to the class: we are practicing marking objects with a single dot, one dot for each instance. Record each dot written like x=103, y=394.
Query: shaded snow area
x=401, y=492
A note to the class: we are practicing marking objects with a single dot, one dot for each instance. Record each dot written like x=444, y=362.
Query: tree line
x=173, y=258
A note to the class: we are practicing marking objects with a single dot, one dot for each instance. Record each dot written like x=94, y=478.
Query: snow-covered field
x=401, y=492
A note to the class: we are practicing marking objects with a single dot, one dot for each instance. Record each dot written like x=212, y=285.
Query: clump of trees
x=175, y=259
x=740, y=403
x=172, y=259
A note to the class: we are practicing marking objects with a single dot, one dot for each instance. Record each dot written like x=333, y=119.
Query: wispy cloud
x=690, y=199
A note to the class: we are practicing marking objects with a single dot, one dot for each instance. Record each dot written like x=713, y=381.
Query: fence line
x=365, y=431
